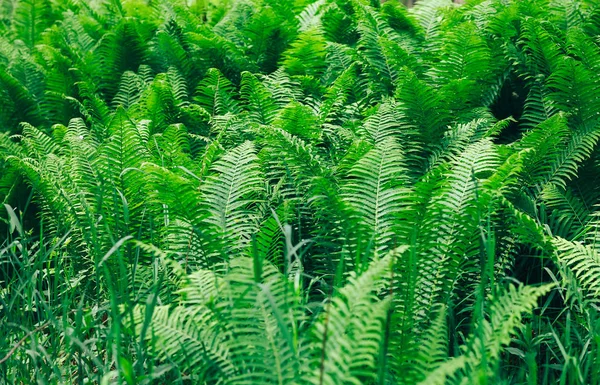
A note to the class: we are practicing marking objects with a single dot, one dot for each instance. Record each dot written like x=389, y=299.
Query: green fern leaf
x=230, y=196
x=377, y=192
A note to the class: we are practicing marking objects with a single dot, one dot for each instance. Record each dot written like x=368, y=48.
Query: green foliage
x=299, y=192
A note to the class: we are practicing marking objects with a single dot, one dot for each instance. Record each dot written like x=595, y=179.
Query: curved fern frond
x=457, y=139
x=465, y=67
x=583, y=262
x=130, y=89
x=482, y=351
x=338, y=94
x=299, y=120
x=423, y=109
x=124, y=148
x=433, y=350
x=20, y=105
x=377, y=191
x=538, y=107
x=447, y=227
x=543, y=52
x=306, y=55
x=215, y=94
x=578, y=149
x=236, y=327
x=258, y=100
x=352, y=322
x=231, y=196
x=384, y=125
x=310, y=17
x=429, y=16
x=569, y=211
x=123, y=49
x=573, y=89
x=31, y=18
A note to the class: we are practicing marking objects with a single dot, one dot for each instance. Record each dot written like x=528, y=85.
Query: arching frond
x=505, y=314
x=231, y=195
x=215, y=94
x=428, y=14
x=258, y=100
x=377, y=191
x=129, y=90
x=306, y=55
x=31, y=18
x=237, y=327
x=583, y=262
x=352, y=322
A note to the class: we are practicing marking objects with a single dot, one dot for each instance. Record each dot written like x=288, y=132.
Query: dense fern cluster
x=299, y=192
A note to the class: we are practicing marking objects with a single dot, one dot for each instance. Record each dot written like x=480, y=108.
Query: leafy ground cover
x=298, y=192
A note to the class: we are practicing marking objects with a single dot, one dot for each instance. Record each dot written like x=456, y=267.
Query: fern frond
x=299, y=120
x=338, y=94
x=19, y=104
x=543, y=52
x=215, y=94
x=573, y=89
x=457, y=139
x=448, y=226
x=172, y=50
x=377, y=192
x=284, y=88
x=310, y=17
x=570, y=211
x=433, y=349
x=122, y=49
x=578, y=149
x=545, y=141
x=182, y=341
x=306, y=55
x=505, y=315
x=352, y=322
x=124, y=148
x=237, y=327
x=428, y=14
x=338, y=24
x=465, y=67
x=231, y=195
x=31, y=18
x=258, y=100
x=130, y=89
x=384, y=125
x=422, y=108
x=538, y=107
x=584, y=262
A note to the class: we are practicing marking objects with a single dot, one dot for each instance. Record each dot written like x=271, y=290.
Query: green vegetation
x=297, y=192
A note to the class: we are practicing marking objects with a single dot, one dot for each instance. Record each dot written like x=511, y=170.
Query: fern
x=538, y=107
x=428, y=16
x=214, y=93
x=230, y=196
x=114, y=58
x=377, y=192
x=129, y=90
x=31, y=18
x=243, y=325
x=352, y=323
x=465, y=67
x=573, y=90
x=506, y=311
x=582, y=261
x=299, y=192
x=306, y=56
x=258, y=100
